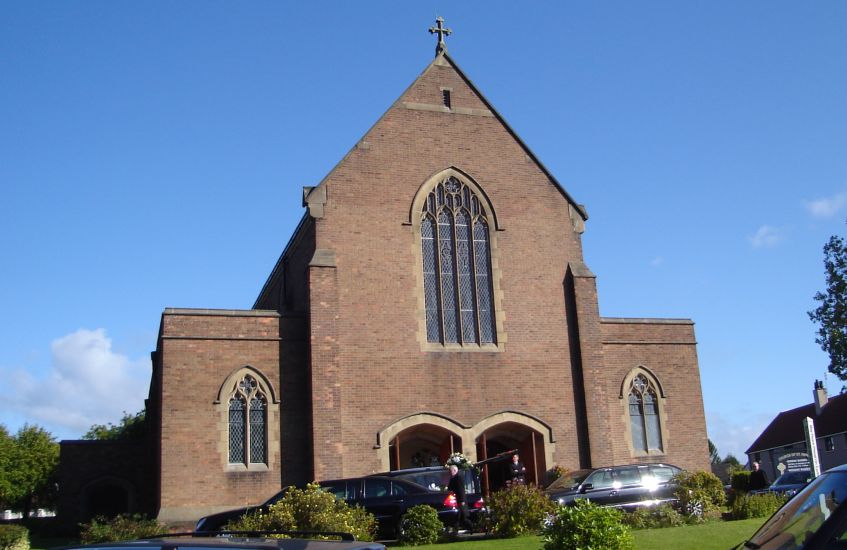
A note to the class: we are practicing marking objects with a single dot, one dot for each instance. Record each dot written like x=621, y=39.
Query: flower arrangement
x=460, y=460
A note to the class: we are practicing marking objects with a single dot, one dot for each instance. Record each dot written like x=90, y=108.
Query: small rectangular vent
x=445, y=96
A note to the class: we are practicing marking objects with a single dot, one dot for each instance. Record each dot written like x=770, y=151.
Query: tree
x=28, y=472
x=7, y=460
x=131, y=426
x=731, y=461
x=714, y=457
x=831, y=313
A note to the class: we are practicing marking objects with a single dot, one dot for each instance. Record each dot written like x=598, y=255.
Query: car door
x=378, y=499
x=628, y=486
x=599, y=487
x=663, y=475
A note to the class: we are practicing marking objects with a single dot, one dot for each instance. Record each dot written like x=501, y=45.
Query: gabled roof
x=787, y=427
x=440, y=60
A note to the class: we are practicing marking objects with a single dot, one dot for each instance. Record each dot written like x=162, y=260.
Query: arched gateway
x=428, y=439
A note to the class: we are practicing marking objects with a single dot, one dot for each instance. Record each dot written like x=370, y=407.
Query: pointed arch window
x=248, y=418
x=456, y=251
x=644, y=415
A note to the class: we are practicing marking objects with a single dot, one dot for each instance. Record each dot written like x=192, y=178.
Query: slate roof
x=787, y=427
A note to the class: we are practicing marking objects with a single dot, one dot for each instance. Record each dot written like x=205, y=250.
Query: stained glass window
x=248, y=435
x=456, y=251
x=644, y=415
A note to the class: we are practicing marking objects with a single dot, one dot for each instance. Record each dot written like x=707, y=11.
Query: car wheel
x=694, y=508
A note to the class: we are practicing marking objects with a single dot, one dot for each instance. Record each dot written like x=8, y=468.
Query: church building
x=433, y=299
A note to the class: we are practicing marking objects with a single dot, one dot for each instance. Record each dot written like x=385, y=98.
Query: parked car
x=787, y=484
x=813, y=519
x=626, y=487
x=249, y=542
x=436, y=478
x=386, y=497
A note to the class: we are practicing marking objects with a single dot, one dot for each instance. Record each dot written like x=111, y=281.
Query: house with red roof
x=782, y=447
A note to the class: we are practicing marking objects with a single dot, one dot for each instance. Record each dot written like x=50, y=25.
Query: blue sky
x=153, y=154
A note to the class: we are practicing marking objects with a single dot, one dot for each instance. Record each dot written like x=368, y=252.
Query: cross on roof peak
x=441, y=47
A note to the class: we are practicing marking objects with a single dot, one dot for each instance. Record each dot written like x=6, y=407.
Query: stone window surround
x=468, y=433
x=625, y=418
x=497, y=294
x=272, y=420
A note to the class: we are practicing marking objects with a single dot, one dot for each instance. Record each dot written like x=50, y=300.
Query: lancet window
x=644, y=415
x=456, y=250
x=248, y=419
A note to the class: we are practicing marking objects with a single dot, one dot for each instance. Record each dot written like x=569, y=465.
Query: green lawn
x=720, y=535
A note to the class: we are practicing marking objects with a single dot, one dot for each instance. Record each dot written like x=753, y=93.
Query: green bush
x=652, y=517
x=420, y=525
x=586, y=525
x=14, y=537
x=123, y=527
x=756, y=506
x=518, y=510
x=700, y=495
x=310, y=509
x=740, y=480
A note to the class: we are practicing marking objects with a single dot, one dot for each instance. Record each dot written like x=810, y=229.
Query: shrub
x=518, y=510
x=420, y=525
x=652, y=517
x=123, y=527
x=756, y=506
x=700, y=494
x=740, y=480
x=14, y=537
x=586, y=525
x=310, y=509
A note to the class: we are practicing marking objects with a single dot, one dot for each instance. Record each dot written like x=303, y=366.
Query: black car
x=250, y=542
x=815, y=518
x=387, y=498
x=788, y=484
x=436, y=478
x=626, y=487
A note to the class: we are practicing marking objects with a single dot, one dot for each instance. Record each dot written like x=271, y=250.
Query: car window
x=792, y=477
x=377, y=488
x=628, y=475
x=601, y=479
x=662, y=473
x=339, y=489
x=434, y=481
x=398, y=489
x=803, y=515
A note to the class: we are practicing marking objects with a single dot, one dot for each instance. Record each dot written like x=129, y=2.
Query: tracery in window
x=248, y=436
x=644, y=415
x=456, y=251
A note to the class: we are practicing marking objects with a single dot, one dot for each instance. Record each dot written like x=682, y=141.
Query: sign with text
x=812, y=446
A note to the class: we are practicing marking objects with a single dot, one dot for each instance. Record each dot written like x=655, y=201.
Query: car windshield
x=801, y=516
x=793, y=478
x=570, y=480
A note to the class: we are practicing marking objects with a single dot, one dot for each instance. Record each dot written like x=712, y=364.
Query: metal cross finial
x=442, y=46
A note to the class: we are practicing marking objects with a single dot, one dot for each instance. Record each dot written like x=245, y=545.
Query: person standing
x=456, y=485
x=517, y=471
x=758, y=479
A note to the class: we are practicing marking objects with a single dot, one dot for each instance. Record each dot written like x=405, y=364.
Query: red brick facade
x=338, y=333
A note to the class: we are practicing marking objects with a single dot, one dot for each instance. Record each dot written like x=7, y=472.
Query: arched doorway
x=107, y=498
x=422, y=445
x=508, y=436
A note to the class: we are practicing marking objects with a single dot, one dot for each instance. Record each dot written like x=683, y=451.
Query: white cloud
x=87, y=384
x=828, y=206
x=766, y=236
x=733, y=436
